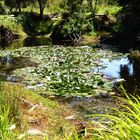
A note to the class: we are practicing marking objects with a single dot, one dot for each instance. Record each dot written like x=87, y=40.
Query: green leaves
x=68, y=70
x=65, y=70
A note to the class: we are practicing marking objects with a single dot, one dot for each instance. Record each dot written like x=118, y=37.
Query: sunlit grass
x=108, y=9
x=124, y=124
x=9, y=111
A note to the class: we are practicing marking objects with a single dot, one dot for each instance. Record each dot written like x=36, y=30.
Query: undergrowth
x=10, y=22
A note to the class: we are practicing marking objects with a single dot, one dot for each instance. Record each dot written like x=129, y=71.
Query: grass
x=49, y=115
x=108, y=9
x=5, y=124
x=9, y=112
x=124, y=124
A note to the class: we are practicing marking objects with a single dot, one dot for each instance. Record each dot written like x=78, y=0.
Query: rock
x=120, y=80
x=12, y=127
x=21, y=136
x=72, y=117
x=34, y=132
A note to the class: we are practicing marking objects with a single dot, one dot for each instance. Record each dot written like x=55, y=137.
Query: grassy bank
x=23, y=110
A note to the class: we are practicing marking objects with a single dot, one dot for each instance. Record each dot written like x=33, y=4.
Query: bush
x=34, y=25
x=11, y=22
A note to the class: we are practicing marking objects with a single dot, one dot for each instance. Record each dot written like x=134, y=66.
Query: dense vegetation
x=66, y=73
x=67, y=19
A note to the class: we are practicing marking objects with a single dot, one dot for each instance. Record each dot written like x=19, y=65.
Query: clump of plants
x=11, y=22
x=33, y=24
x=124, y=124
x=9, y=112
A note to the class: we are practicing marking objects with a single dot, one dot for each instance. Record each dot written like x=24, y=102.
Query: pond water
x=10, y=63
x=110, y=68
x=113, y=68
x=117, y=68
x=124, y=68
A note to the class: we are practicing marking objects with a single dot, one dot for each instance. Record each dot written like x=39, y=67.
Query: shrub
x=11, y=22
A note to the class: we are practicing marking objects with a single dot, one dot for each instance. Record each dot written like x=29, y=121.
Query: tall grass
x=124, y=125
x=5, y=124
x=9, y=111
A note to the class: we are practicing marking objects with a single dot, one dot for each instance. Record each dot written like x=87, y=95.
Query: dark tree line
x=131, y=22
x=19, y=3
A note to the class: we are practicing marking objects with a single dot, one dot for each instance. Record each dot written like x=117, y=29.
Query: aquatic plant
x=65, y=70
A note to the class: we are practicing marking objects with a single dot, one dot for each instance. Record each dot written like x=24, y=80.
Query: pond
x=82, y=76
x=122, y=67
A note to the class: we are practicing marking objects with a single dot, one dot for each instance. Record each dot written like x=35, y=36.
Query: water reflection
x=27, y=42
x=37, y=41
x=126, y=68
x=132, y=83
x=9, y=63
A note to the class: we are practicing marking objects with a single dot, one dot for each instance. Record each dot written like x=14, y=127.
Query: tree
x=14, y=3
x=131, y=22
x=42, y=4
x=17, y=4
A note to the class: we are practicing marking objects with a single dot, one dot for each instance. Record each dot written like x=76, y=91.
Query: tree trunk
x=41, y=6
x=17, y=4
x=41, y=11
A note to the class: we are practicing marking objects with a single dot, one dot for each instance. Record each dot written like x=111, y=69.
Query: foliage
x=2, y=9
x=130, y=6
x=72, y=6
x=124, y=124
x=75, y=23
x=11, y=22
x=130, y=21
x=32, y=24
